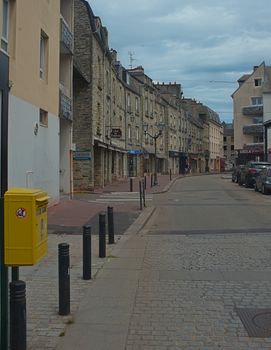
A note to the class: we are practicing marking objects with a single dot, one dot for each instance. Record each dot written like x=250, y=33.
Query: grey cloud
x=191, y=40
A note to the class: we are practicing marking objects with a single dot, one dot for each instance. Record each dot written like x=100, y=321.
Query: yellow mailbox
x=25, y=233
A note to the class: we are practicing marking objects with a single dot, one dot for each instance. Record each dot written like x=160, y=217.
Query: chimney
x=255, y=67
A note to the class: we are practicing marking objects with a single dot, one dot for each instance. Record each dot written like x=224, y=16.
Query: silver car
x=263, y=181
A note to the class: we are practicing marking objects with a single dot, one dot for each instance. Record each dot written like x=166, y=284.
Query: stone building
x=133, y=117
x=228, y=146
x=172, y=94
x=127, y=125
x=100, y=104
x=153, y=117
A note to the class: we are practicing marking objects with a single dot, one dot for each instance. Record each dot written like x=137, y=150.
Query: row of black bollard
x=64, y=259
x=18, y=289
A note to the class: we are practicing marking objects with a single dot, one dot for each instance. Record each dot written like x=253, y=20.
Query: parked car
x=263, y=181
x=250, y=172
x=235, y=175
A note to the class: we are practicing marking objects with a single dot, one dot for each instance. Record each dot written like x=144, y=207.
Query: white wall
x=33, y=160
x=65, y=157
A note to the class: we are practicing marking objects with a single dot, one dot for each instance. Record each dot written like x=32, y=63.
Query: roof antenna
x=131, y=59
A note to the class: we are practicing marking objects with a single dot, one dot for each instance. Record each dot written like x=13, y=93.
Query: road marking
x=120, y=197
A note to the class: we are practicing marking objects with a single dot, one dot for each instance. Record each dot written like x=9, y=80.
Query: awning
x=109, y=147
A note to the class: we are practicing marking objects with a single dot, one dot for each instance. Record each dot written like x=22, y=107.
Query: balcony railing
x=66, y=37
x=65, y=106
x=253, y=129
x=253, y=110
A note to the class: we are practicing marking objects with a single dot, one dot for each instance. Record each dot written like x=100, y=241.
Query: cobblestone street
x=189, y=299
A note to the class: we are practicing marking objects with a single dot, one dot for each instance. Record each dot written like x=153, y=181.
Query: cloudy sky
x=205, y=45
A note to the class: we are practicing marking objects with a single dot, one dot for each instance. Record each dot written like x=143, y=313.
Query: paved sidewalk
x=78, y=211
x=44, y=326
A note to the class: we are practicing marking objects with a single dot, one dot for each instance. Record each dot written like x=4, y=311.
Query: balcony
x=253, y=129
x=65, y=106
x=253, y=110
x=66, y=38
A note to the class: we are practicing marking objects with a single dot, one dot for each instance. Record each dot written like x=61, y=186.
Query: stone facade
x=126, y=123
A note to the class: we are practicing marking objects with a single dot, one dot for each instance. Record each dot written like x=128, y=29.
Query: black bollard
x=151, y=180
x=110, y=220
x=17, y=320
x=102, y=246
x=143, y=193
x=64, y=279
x=140, y=195
x=86, y=252
x=170, y=177
x=131, y=185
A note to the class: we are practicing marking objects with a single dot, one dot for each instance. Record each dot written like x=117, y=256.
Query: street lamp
x=160, y=128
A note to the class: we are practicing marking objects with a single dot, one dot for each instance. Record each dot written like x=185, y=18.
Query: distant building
x=228, y=146
x=248, y=109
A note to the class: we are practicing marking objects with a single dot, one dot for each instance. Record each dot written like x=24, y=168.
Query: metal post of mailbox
x=17, y=315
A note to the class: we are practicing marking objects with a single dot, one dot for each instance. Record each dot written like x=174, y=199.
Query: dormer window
x=258, y=82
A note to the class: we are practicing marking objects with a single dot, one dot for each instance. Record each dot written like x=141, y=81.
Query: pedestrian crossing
x=122, y=197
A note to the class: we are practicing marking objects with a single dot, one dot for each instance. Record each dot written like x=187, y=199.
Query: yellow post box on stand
x=25, y=234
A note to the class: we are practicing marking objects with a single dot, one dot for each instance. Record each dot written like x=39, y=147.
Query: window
x=43, y=55
x=137, y=133
x=225, y=148
x=129, y=101
x=146, y=106
x=5, y=15
x=256, y=101
x=136, y=104
x=258, y=139
x=43, y=118
x=99, y=73
x=257, y=120
x=257, y=82
x=232, y=147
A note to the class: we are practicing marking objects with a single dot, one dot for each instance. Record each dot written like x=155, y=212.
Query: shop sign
x=116, y=133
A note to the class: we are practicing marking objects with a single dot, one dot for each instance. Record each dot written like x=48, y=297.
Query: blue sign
x=77, y=155
x=134, y=151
